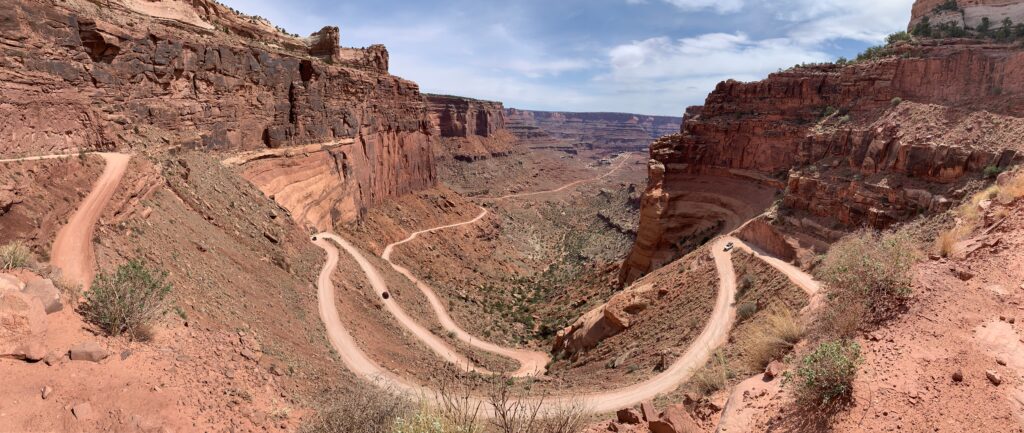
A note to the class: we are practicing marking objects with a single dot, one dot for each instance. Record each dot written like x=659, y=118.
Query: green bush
x=14, y=255
x=948, y=5
x=898, y=37
x=746, y=310
x=825, y=376
x=896, y=101
x=127, y=302
x=991, y=172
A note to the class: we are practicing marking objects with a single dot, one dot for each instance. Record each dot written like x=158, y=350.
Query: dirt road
x=72, y=250
x=531, y=362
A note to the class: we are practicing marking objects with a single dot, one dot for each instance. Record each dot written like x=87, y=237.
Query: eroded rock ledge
x=868, y=144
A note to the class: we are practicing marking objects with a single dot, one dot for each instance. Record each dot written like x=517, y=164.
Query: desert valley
x=208, y=224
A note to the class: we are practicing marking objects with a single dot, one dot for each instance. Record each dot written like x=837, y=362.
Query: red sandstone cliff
x=967, y=13
x=470, y=129
x=161, y=74
x=615, y=132
x=837, y=146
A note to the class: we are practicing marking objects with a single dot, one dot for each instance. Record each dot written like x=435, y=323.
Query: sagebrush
x=129, y=301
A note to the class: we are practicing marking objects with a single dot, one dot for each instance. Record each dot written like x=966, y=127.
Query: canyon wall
x=868, y=144
x=155, y=75
x=615, y=132
x=968, y=13
x=469, y=129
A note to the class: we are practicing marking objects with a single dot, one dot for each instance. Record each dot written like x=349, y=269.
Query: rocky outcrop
x=868, y=144
x=132, y=73
x=470, y=129
x=967, y=13
x=23, y=321
x=616, y=132
x=604, y=321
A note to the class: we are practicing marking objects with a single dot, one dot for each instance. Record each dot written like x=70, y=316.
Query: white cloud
x=662, y=75
x=816, y=21
x=720, y=6
x=714, y=54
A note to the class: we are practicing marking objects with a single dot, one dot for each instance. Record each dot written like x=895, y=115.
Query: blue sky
x=639, y=56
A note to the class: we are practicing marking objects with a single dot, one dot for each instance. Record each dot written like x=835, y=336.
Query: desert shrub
x=992, y=171
x=870, y=269
x=14, y=255
x=712, y=377
x=424, y=420
x=746, y=310
x=781, y=330
x=897, y=37
x=129, y=301
x=896, y=101
x=745, y=283
x=363, y=410
x=948, y=5
x=825, y=376
x=873, y=53
x=514, y=413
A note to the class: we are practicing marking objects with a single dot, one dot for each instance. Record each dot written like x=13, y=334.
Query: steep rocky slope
x=93, y=75
x=870, y=143
x=469, y=129
x=614, y=132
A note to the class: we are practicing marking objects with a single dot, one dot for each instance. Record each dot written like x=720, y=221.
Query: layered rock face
x=161, y=74
x=615, y=132
x=967, y=13
x=470, y=129
x=868, y=144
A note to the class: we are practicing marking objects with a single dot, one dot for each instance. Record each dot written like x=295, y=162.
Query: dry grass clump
x=870, y=272
x=1011, y=190
x=712, y=377
x=364, y=410
x=970, y=216
x=14, y=255
x=945, y=244
x=781, y=330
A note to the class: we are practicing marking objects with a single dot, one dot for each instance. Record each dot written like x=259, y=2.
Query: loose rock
x=994, y=377
x=89, y=351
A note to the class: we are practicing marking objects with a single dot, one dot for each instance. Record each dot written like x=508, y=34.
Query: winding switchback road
x=714, y=334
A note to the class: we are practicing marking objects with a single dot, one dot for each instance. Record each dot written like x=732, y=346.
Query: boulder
x=46, y=293
x=22, y=326
x=628, y=416
x=675, y=419
x=89, y=351
x=649, y=412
